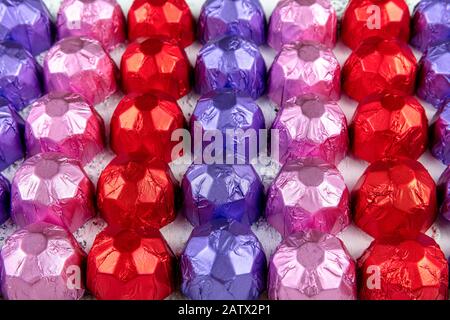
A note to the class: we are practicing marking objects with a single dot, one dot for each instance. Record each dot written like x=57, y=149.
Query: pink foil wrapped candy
x=64, y=123
x=80, y=65
x=52, y=188
x=42, y=262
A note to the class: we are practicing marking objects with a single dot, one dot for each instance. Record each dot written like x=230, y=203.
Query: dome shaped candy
x=5, y=199
x=12, y=128
x=444, y=194
x=440, y=134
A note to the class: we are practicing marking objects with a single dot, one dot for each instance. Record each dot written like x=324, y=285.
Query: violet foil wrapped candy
x=312, y=265
x=42, y=262
x=440, y=134
x=443, y=190
x=231, y=63
x=223, y=260
x=5, y=199
x=11, y=135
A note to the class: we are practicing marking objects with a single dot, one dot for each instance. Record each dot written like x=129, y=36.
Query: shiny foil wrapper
x=12, y=129
x=27, y=22
x=434, y=75
x=308, y=194
x=5, y=199
x=136, y=192
x=394, y=198
x=363, y=19
x=243, y=18
x=297, y=21
x=102, y=20
x=310, y=127
x=156, y=65
x=42, y=262
x=64, y=123
x=20, y=75
x=231, y=63
x=410, y=269
x=440, y=135
x=223, y=260
x=130, y=265
x=165, y=19
x=444, y=194
x=430, y=23
x=51, y=188
x=393, y=125
x=305, y=68
x=378, y=65
x=80, y=65
x=222, y=191
x=312, y=265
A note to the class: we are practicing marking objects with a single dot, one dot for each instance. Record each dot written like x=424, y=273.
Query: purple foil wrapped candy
x=102, y=20
x=440, y=134
x=52, y=188
x=295, y=21
x=308, y=194
x=231, y=63
x=222, y=191
x=301, y=69
x=64, y=123
x=5, y=199
x=244, y=18
x=434, y=75
x=312, y=265
x=11, y=135
x=80, y=65
x=310, y=127
x=42, y=262
x=20, y=75
x=430, y=23
x=443, y=190
x=27, y=22
x=223, y=260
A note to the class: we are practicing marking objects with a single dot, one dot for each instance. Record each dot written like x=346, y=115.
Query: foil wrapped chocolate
x=42, y=262
x=223, y=260
x=394, y=198
x=64, y=123
x=52, y=188
x=102, y=20
x=305, y=68
x=403, y=269
x=312, y=265
x=443, y=192
x=5, y=199
x=231, y=63
x=27, y=22
x=308, y=194
x=12, y=128
x=130, y=265
x=80, y=65
x=243, y=18
x=310, y=127
x=296, y=21
x=440, y=134
x=20, y=75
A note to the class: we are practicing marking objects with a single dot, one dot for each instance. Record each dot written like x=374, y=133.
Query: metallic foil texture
x=223, y=260
x=222, y=191
x=243, y=18
x=378, y=65
x=363, y=19
x=394, y=198
x=12, y=128
x=231, y=63
x=434, y=75
x=443, y=189
x=310, y=127
x=5, y=199
x=64, y=123
x=130, y=265
x=308, y=194
x=410, y=269
x=440, y=135
x=297, y=21
x=305, y=68
x=312, y=265
x=156, y=65
x=51, y=188
x=393, y=125
x=42, y=262
x=27, y=22
x=20, y=75
x=144, y=124
x=80, y=65
x=136, y=192
x=165, y=19
x=430, y=23
x=102, y=20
